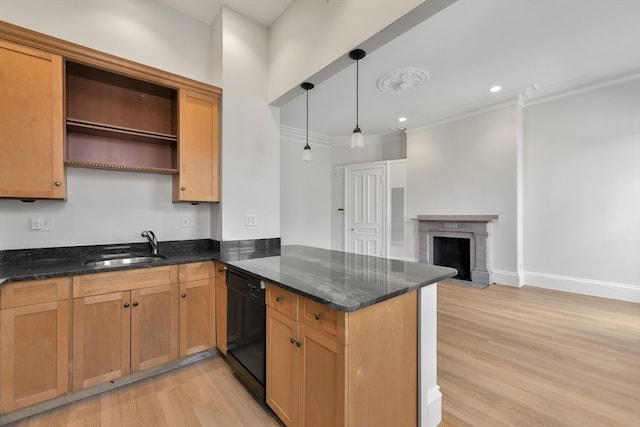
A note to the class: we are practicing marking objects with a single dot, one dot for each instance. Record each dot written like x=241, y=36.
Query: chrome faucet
x=151, y=237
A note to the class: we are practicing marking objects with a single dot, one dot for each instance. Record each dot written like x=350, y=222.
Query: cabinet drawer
x=18, y=294
x=197, y=271
x=318, y=316
x=283, y=301
x=117, y=281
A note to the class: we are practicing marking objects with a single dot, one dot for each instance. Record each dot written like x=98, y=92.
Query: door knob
x=184, y=295
x=126, y=305
x=293, y=340
x=135, y=304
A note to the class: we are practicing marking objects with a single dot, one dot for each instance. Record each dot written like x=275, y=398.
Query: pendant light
x=357, y=140
x=306, y=153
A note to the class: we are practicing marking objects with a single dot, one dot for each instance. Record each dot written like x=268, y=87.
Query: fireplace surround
x=475, y=228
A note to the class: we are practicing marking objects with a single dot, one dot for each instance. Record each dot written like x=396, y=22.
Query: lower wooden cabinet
x=221, y=307
x=331, y=368
x=131, y=329
x=197, y=307
x=34, y=342
x=305, y=364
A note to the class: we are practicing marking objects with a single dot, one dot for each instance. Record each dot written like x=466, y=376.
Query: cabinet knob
x=135, y=304
x=293, y=340
x=126, y=305
x=184, y=295
x=317, y=316
x=57, y=183
x=299, y=343
x=183, y=188
x=279, y=299
x=220, y=270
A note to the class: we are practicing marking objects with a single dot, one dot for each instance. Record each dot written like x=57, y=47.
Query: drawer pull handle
x=299, y=343
x=279, y=299
x=135, y=304
x=293, y=340
x=317, y=316
x=184, y=295
x=57, y=183
x=126, y=305
x=183, y=188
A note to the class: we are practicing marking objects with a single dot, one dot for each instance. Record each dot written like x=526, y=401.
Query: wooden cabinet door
x=198, y=179
x=154, y=326
x=282, y=366
x=101, y=338
x=34, y=354
x=31, y=123
x=321, y=369
x=197, y=316
x=221, y=308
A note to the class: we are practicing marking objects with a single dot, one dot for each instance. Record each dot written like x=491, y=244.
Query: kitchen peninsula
x=361, y=343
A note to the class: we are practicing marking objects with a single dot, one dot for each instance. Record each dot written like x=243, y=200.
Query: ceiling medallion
x=403, y=80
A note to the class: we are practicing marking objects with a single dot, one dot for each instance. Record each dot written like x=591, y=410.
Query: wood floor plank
x=506, y=357
x=531, y=356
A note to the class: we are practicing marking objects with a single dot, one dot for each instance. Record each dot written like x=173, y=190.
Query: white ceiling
x=550, y=46
x=262, y=11
x=471, y=46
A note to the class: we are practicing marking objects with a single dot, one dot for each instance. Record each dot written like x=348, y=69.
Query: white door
x=365, y=210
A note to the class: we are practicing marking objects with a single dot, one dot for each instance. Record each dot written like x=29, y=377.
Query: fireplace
x=453, y=252
x=458, y=241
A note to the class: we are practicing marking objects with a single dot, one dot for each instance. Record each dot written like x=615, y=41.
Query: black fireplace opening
x=453, y=252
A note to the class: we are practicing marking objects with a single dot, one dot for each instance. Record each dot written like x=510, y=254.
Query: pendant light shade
x=357, y=140
x=306, y=152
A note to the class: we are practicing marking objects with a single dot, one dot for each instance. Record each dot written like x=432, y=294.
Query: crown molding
x=593, y=84
x=300, y=135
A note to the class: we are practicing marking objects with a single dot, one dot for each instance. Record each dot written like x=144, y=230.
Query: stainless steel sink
x=116, y=262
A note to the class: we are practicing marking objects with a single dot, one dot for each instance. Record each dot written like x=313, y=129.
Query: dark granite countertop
x=344, y=281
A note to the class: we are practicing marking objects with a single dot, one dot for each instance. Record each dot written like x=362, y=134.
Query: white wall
x=384, y=148
x=144, y=31
x=305, y=207
x=112, y=206
x=103, y=207
x=582, y=192
x=301, y=44
x=468, y=166
x=250, y=132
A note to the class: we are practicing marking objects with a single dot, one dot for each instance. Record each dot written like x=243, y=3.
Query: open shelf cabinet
x=117, y=122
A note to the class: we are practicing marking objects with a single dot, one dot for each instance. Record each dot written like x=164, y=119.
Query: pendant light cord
x=357, y=91
x=307, y=119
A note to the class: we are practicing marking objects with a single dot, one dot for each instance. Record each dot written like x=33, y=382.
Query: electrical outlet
x=250, y=220
x=186, y=221
x=37, y=223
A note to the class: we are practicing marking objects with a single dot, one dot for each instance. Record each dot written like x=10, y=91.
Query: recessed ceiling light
x=495, y=89
x=402, y=119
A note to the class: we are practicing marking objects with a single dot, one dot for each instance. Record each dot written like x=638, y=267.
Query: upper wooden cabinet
x=31, y=123
x=198, y=148
x=119, y=115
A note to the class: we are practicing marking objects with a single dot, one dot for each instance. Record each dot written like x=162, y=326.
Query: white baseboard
x=431, y=415
x=508, y=278
x=620, y=291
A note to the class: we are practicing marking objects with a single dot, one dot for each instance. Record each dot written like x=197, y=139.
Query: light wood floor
x=506, y=357
x=535, y=357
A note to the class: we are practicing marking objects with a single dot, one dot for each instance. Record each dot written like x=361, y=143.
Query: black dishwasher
x=246, y=329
